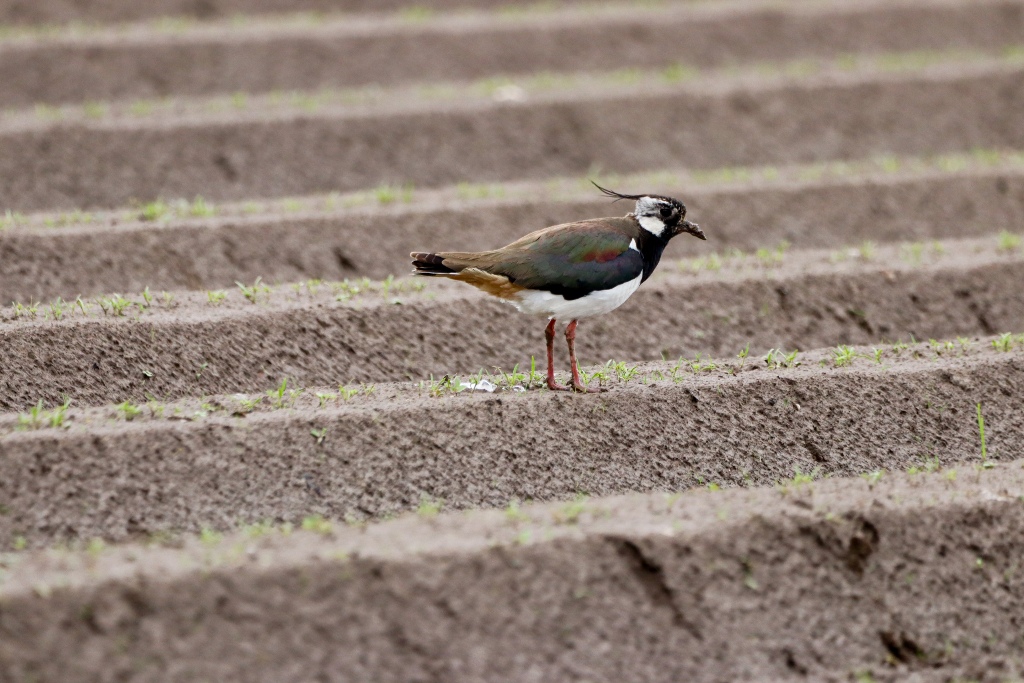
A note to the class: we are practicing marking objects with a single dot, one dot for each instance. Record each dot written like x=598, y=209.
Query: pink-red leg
x=549, y=335
x=577, y=384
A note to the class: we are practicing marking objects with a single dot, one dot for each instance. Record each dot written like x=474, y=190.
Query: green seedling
x=428, y=507
x=513, y=512
x=624, y=373
x=873, y=478
x=1008, y=241
x=601, y=375
x=772, y=257
x=282, y=396
x=325, y=397
x=534, y=377
x=252, y=292
x=155, y=211
x=199, y=208
x=843, y=356
x=128, y=410
x=209, y=537
x=570, y=513
x=512, y=379
x=878, y=353
x=981, y=433
x=215, y=297
x=319, y=434
x=247, y=405
x=21, y=309
x=33, y=419
x=697, y=365
x=1003, y=343
x=416, y=14
x=115, y=304
x=347, y=392
x=744, y=354
x=37, y=417
x=445, y=385
x=317, y=525
x=57, y=308
x=777, y=358
x=147, y=296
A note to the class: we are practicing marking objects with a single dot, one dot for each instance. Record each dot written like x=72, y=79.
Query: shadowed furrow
x=824, y=117
x=301, y=240
x=344, y=51
x=195, y=345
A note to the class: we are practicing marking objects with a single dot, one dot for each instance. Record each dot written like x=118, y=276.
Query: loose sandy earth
x=290, y=478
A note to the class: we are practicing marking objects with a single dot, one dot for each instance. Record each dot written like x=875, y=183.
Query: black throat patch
x=651, y=247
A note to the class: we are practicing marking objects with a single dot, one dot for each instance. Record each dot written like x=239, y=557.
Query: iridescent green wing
x=573, y=260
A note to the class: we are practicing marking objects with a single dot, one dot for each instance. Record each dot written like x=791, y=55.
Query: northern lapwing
x=575, y=270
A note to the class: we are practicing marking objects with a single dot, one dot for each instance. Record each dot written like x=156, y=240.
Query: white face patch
x=632, y=245
x=652, y=225
x=647, y=213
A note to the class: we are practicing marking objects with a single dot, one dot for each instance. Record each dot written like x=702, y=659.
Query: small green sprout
x=843, y=356
x=347, y=392
x=428, y=507
x=624, y=373
x=215, y=297
x=319, y=434
x=981, y=432
x=128, y=410
x=777, y=358
x=209, y=537
x=535, y=377
x=325, y=397
x=1003, y=343
x=155, y=211
x=252, y=292
x=873, y=478
x=282, y=397
x=514, y=514
x=115, y=304
x=570, y=512
x=1009, y=241
x=742, y=355
x=199, y=208
x=317, y=525
x=247, y=405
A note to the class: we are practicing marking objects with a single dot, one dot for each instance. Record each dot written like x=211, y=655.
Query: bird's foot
x=555, y=386
x=581, y=388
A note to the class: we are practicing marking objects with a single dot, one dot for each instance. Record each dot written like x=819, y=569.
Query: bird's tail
x=448, y=263
x=430, y=264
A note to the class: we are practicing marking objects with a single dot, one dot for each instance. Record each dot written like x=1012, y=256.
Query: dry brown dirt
x=346, y=52
x=190, y=516
x=743, y=424
x=88, y=11
x=912, y=577
x=782, y=120
x=193, y=347
x=41, y=263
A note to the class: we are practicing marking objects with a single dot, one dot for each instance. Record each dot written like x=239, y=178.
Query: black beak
x=694, y=230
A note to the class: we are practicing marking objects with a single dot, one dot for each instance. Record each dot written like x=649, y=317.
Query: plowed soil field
x=239, y=443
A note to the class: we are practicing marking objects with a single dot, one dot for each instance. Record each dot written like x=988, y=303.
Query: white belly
x=556, y=306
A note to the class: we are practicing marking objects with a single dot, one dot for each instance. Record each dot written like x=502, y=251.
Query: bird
x=572, y=270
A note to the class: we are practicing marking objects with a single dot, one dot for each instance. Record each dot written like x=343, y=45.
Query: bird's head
x=662, y=216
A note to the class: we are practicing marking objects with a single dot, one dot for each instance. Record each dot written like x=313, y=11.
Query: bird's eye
x=666, y=212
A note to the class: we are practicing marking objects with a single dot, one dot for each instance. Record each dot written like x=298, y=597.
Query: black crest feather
x=617, y=195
